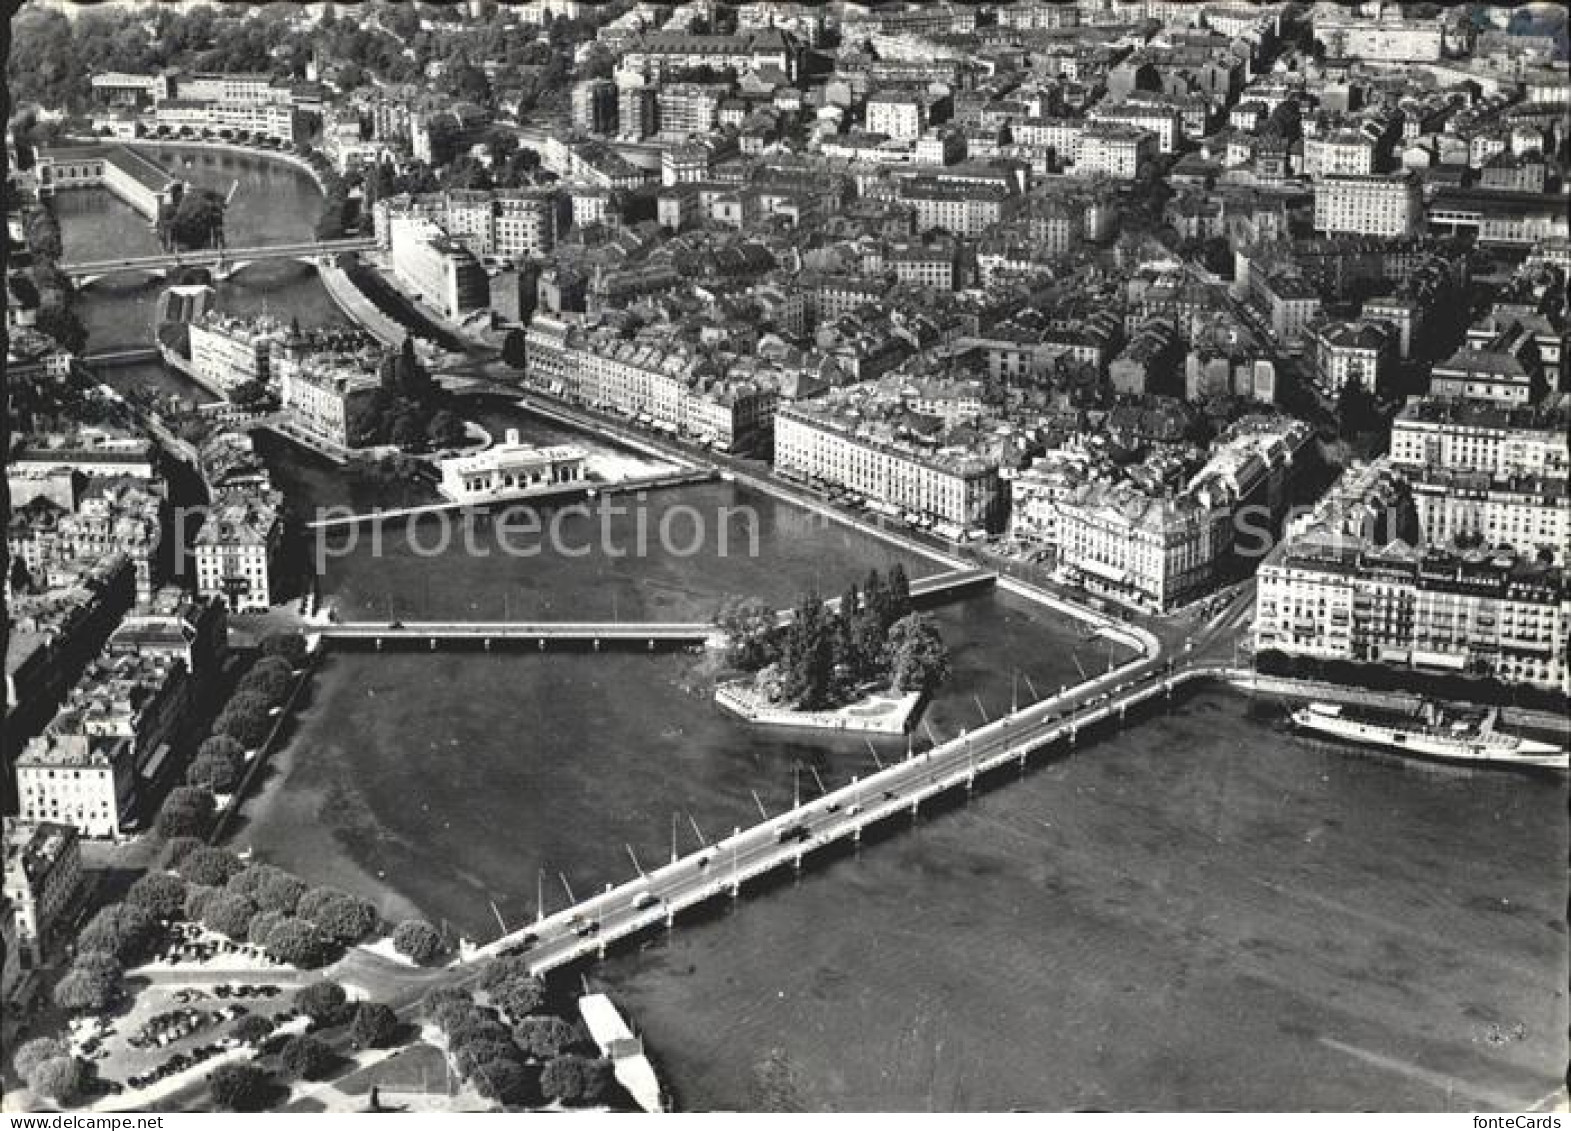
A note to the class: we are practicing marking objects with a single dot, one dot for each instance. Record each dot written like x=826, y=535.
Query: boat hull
x=1495, y=750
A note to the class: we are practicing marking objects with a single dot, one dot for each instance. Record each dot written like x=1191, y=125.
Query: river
x=1198, y=912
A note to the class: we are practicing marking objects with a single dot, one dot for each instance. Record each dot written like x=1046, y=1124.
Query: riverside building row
x=1347, y=585
x=651, y=381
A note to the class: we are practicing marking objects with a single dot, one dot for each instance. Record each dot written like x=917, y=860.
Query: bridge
x=839, y=817
x=112, y=359
x=225, y=261
x=486, y=634
x=649, y=635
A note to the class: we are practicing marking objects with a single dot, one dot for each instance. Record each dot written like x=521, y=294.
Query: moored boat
x=1431, y=734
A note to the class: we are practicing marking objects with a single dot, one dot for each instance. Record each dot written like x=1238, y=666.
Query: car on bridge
x=791, y=833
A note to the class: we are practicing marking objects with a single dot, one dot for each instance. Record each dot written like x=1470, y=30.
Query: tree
x=446, y=429
x=520, y=997
x=30, y=1055
x=286, y=646
x=373, y=1026
x=41, y=232
x=61, y=1079
x=418, y=941
x=508, y=968
x=63, y=325
x=88, y=988
x=1356, y=410
x=230, y=915
x=298, y=942
x=751, y=632
x=262, y=925
x=210, y=866
x=121, y=929
x=514, y=349
x=466, y=82
x=305, y=1057
x=340, y=916
x=323, y=1002
x=177, y=820
x=218, y=765
x=504, y=1081
x=252, y=1028
x=160, y=894
x=239, y=1087
x=280, y=894
x=545, y=1036
x=807, y=658
x=919, y=660
x=471, y=1055
x=572, y=1079
x=195, y=220
x=191, y=797
x=198, y=897
x=247, y=723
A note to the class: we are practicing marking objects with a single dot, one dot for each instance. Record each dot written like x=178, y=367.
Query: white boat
x=1431, y=735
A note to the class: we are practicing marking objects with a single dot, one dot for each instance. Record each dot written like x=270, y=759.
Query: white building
x=1388, y=206
x=512, y=469
x=236, y=550
x=440, y=270
x=227, y=352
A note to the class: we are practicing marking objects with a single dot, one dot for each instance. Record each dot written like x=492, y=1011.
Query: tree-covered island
x=825, y=655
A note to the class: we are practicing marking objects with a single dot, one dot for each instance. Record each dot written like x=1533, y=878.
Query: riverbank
x=279, y=155
x=358, y=308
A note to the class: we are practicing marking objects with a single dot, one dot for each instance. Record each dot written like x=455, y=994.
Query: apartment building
x=228, y=352
x=898, y=114
x=1485, y=614
x=595, y=106
x=654, y=382
x=686, y=109
x=1387, y=206
x=1342, y=153
x=1352, y=351
x=1115, y=150
x=43, y=876
x=1141, y=544
x=201, y=115
x=443, y=272
x=1387, y=38
x=236, y=551
x=957, y=207
x=1165, y=123
x=1467, y=436
x=1476, y=373
x=325, y=395
x=830, y=440
x=106, y=744
x=1530, y=514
